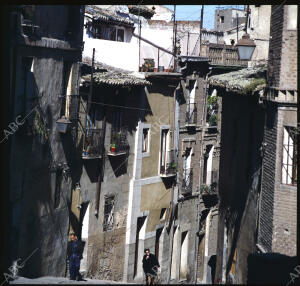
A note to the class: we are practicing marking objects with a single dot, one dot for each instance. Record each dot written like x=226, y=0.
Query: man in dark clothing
x=74, y=253
x=150, y=266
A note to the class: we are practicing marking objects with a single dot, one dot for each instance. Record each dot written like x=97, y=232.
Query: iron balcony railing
x=191, y=114
x=187, y=181
x=92, y=144
x=168, y=166
x=118, y=141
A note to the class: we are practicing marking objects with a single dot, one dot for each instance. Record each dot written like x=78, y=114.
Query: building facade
x=278, y=200
x=44, y=67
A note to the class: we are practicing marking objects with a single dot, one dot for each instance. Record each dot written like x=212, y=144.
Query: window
x=289, y=156
x=108, y=221
x=163, y=149
x=120, y=35
x=105, y=32
x=292, y=17
x=221, y=19
x=163, y=213
x=145, y=147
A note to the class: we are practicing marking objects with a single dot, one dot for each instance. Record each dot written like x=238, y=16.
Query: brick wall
x=288, y=71
x=282, y=70
x=285, y=196
x=268, y=180
x=275, y=45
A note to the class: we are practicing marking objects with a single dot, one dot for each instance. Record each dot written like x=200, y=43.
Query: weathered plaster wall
x=109, y=264
x=161, y=104
x=154, y=197
x=36, y=222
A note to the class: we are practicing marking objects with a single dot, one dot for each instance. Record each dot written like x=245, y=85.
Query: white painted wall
x=84, y=237
x=259, y=31
x=124, y=55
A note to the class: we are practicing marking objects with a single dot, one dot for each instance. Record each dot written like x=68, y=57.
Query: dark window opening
x=221, y=19
x=157, y=238
x=162, y=213
x=145, y=147
x=120, y=35
x=108, y=221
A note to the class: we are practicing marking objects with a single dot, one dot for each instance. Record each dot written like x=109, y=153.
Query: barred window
x=289, y=156
x=109, y=205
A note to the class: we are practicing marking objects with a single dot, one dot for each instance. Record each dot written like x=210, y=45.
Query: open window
x=289, y=156
x=167, y=155
x=146, y=137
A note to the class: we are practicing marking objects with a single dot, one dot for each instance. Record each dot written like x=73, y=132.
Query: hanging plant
x=39, y=127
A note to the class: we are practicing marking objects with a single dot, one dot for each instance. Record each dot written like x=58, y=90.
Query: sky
x=192, y=12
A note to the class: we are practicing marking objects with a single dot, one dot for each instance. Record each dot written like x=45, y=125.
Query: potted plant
x=113, y=147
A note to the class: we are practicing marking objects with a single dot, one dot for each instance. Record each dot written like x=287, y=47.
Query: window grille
x=108, y=221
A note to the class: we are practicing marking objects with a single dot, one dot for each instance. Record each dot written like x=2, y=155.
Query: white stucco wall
x=259, y=31
x=124, y=55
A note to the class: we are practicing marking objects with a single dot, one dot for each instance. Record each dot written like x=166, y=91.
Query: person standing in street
x=150, y=266
x=74, y=253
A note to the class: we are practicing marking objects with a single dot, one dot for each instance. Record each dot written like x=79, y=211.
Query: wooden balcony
x=221, y=54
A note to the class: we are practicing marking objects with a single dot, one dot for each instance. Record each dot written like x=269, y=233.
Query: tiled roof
x=114, y=76
x=108, y=16
x=244, y=81
x=141, y=10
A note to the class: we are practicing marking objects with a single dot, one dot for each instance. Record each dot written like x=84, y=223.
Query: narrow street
x=62, y=280
x=148, y=143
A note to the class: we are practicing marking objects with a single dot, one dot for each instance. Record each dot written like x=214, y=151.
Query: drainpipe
x=200, y=177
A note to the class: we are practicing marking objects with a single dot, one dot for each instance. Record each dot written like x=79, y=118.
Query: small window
x=120, y=35
x=292, y=17
x=113, y=34
x=145, y=140
x=232, y=42
x=289, y=156
x=108, y=221
x=222, y=19
x=163, y=213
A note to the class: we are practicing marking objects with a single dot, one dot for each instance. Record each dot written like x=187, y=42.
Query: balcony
x=168, y=167
x=220, y=54
x=118, y=142
x=187, y=181
x=191, y=115
x=92, y=144
x=209, y=195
